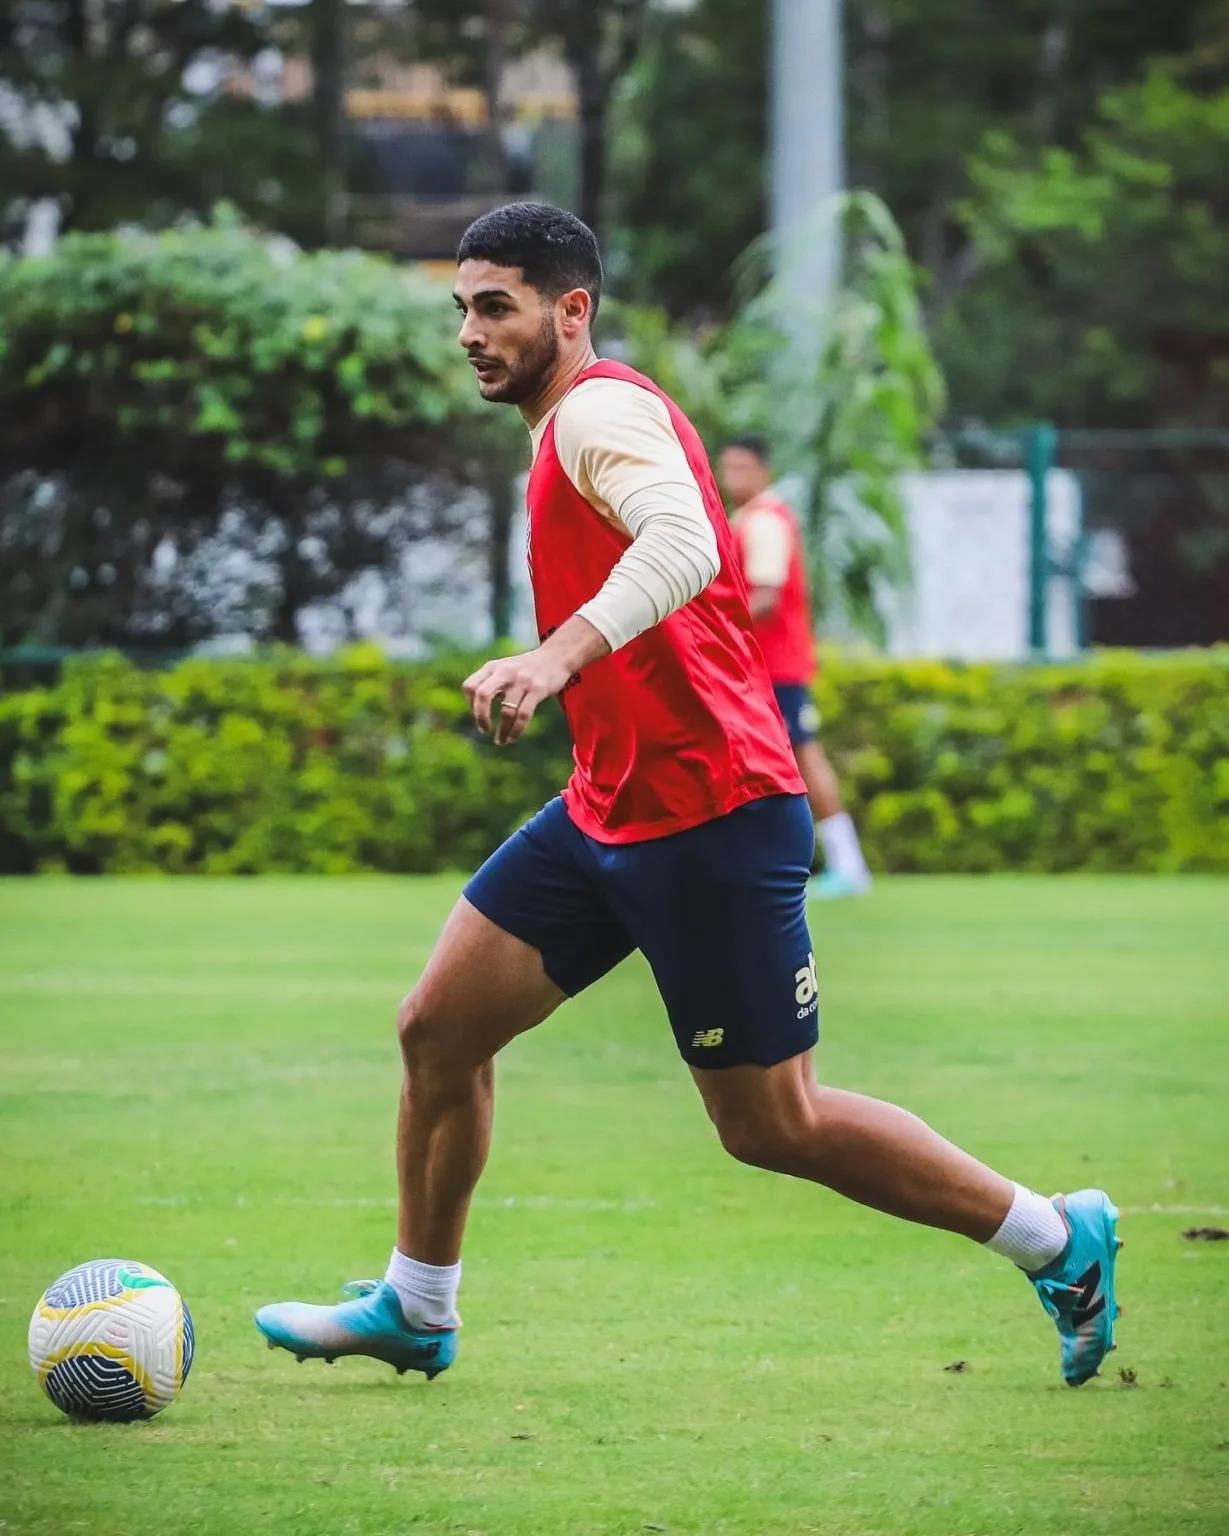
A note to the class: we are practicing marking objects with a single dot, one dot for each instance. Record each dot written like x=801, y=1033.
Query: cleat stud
x=269, y=1344
x=300, y=1358
x=328, y=1359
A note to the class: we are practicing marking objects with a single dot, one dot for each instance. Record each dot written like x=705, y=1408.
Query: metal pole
x=1040, y=443
x=1079, y=593
x=807, y=155
x=329, y=107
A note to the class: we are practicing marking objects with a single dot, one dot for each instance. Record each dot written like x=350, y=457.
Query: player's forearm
x=672, y=559
x=576, y=643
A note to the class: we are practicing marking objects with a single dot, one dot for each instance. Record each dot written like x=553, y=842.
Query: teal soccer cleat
x=1077, y=1289
x=828, y=885
x=370, y=1323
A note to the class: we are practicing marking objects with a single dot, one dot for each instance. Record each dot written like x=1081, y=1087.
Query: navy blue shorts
x=719, y=912
x=797, y=703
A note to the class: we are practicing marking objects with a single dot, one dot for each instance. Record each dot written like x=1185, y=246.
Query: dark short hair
x=752, y=442
x=554, y=250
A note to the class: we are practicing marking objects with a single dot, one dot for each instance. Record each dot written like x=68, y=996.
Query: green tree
x=114, y=112
x=924, y=80
x=846, y=422
x=688, y=167
x=1101, y=294
x=295, y=419
x=600, y=40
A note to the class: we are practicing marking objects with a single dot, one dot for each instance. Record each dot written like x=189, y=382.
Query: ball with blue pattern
x=111, y=1340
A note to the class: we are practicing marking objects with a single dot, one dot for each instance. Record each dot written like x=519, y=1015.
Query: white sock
x=1032, y=1234
x=428, y=1292
x=842, y=851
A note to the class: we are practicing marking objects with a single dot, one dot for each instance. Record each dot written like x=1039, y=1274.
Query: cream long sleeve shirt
x=618, y=447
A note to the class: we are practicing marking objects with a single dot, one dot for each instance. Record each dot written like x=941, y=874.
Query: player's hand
x=520, y=683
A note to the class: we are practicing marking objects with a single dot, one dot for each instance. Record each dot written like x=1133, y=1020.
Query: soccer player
x=684, y=832
x=770, y=554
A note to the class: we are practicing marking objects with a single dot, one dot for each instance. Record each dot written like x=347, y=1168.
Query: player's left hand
x=520, y=683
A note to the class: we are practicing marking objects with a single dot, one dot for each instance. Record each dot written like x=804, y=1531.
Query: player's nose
x=470, y=335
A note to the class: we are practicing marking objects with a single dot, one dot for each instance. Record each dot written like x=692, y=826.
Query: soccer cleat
x=371, y=1322
x=833, y=886
x=1077, y=1288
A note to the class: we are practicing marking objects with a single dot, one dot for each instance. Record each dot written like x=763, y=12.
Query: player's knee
x=416, y=1029
x=752, y=1142
x=780, y=1143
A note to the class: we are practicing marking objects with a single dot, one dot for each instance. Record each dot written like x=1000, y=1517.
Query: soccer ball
x=111, y=1340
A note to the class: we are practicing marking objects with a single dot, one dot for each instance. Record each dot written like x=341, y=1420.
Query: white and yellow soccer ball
x=111, y=1339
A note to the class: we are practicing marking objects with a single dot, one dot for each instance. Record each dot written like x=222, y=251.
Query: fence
x=1147, y=564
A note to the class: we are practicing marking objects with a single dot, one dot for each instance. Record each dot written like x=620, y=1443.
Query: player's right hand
x=520, y=683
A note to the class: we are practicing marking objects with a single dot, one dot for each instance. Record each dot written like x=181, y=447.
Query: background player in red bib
x=770, y=553
x=684, y=832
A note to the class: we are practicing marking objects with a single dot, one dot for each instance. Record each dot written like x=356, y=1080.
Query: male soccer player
x=683, y=832
x=770, y=555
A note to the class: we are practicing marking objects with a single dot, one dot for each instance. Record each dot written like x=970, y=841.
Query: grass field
x=203, y=1076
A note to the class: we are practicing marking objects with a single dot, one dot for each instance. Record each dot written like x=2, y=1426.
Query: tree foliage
x=924, y=81
x=858, y=415
x=114, y=111
x=209, y=391
x=845, y=419
x=687, y=156
x=1101, y=297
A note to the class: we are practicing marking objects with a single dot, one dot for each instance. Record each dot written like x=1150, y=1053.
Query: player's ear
x=575, y=310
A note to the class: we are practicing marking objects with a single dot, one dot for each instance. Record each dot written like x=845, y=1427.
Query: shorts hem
x=498, y=918
x=773, y=1059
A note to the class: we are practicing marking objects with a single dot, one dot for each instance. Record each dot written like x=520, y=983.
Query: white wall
x=969, y=542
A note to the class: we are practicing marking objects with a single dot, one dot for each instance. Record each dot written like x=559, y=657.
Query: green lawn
x=203, y=1076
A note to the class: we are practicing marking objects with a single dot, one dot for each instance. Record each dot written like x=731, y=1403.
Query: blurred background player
x=770, y=552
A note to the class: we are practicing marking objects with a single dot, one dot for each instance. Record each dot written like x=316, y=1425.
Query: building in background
x=424, y=163
x=428, y=148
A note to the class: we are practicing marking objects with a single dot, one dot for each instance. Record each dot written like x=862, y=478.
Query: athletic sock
x=842, y=851
x=428, y=1292
x=1033, y=1234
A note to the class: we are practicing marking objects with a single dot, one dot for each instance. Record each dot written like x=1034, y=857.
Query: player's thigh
x=720, y=914
x=531, y=929
x=481, y=988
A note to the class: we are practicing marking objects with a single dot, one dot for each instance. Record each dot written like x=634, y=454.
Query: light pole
x=807, y=160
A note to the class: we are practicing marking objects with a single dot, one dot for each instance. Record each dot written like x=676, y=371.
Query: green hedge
x=235, y=767
x=1120, y=763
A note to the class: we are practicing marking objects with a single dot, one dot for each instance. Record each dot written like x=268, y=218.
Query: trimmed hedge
x=234, y=767
x=1120, y=762
x=286, y=764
